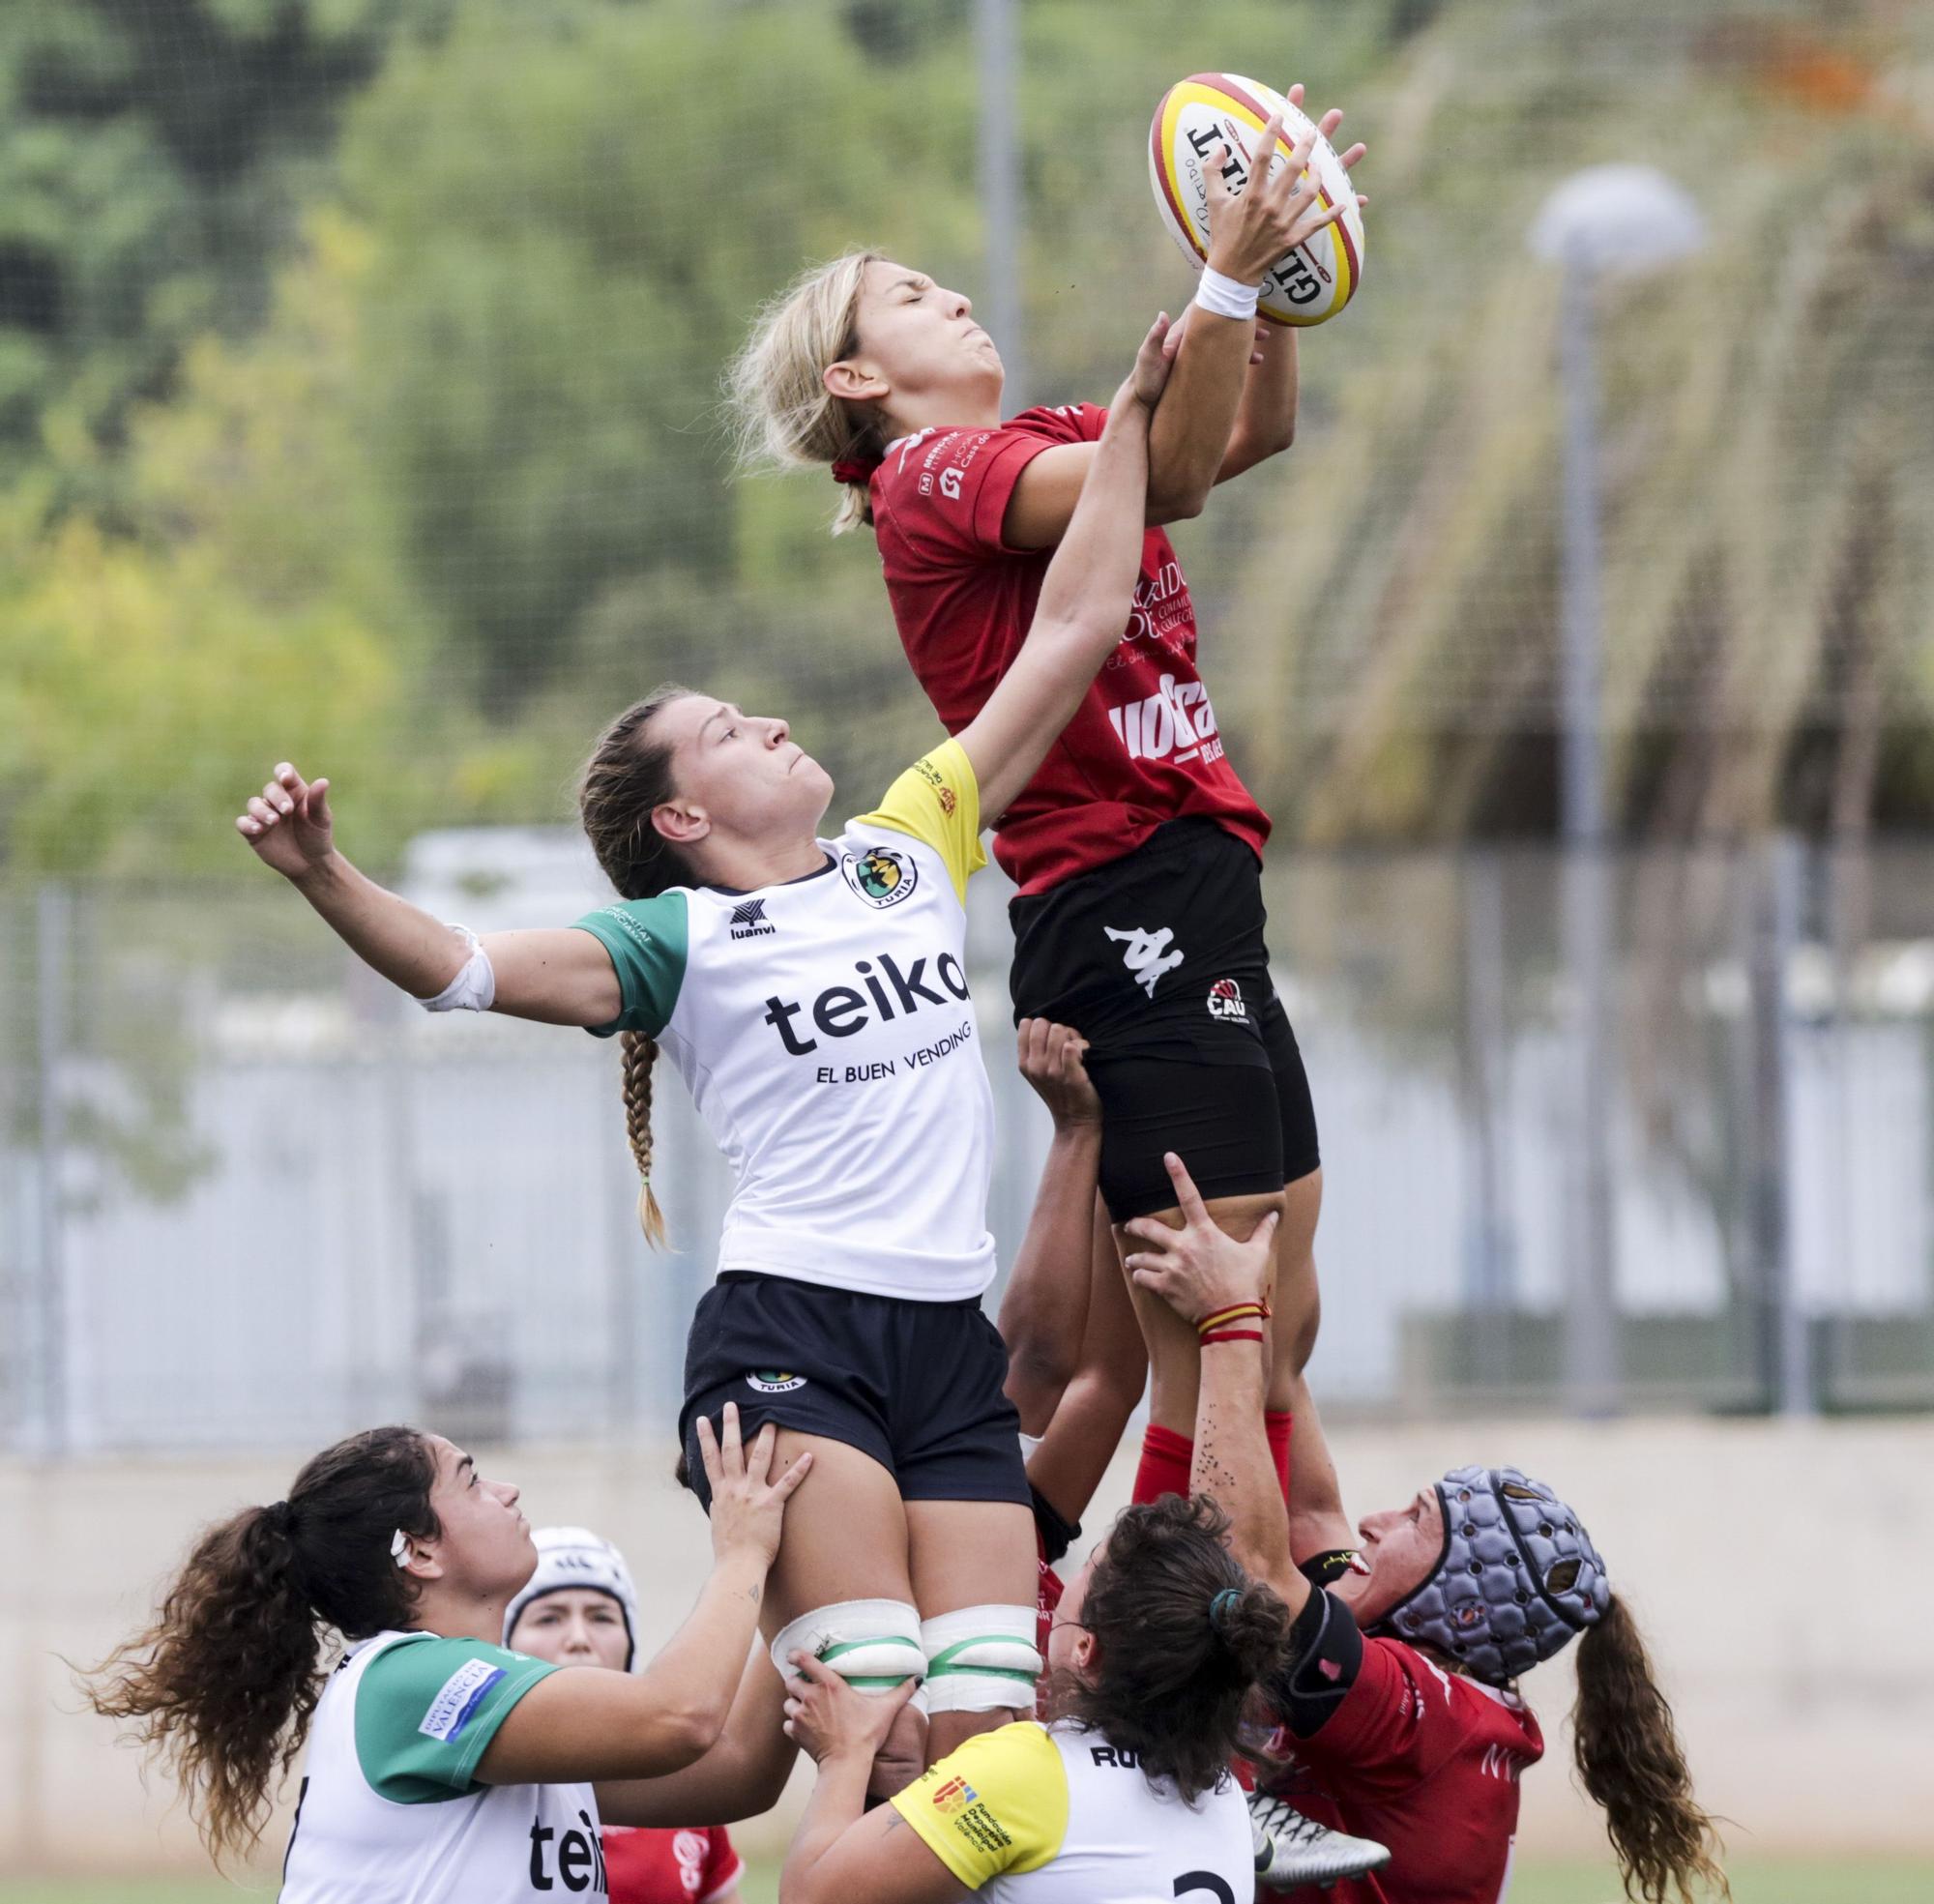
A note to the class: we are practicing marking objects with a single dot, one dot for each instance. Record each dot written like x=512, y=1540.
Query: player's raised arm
x=587, y=1724
x=1232, y=400
x=562, y=978
x=1223, y=1286
x=1045, y=1307
x=1085, y=596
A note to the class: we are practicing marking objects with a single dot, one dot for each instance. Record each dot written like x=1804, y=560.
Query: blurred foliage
x=359, y=392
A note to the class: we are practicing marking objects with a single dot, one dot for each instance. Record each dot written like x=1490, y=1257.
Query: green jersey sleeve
x=426, y=1709
x=937, y=800
x=647, y=940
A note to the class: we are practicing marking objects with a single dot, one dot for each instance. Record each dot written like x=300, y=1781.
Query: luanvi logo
x=749, y=920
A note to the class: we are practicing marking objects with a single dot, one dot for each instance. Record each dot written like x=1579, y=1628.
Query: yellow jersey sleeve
x=999, y=1803
x=937, y=800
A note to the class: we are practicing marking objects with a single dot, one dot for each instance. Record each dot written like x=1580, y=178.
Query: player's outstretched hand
x=827, y=1719
x=1200, y=1269
x=1251, y=230
x=1050, y=1060
x=289, y=824
x=748, y=1510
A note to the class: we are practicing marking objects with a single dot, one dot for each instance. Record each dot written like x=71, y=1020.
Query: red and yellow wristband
x=1220, y=1327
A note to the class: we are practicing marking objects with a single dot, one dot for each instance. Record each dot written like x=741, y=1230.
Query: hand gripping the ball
x=1275, y=212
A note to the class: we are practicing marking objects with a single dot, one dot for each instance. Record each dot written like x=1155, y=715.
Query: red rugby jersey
x=687, y=1867
x=1421, y=1760
x=1144, y=746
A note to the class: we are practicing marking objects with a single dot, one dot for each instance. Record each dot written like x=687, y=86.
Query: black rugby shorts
x=1158, y=960
x=918, y=1386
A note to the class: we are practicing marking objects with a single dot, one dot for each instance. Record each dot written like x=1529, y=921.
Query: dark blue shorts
x=918, y=1386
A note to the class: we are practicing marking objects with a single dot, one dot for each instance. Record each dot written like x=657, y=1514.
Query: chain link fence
x=248, y=1194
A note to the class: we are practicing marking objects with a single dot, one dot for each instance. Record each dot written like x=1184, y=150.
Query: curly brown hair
x=1631, y=1761
x=222, y=1684
x=1182, y=1634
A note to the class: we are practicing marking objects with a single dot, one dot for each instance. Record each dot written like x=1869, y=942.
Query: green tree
x=152, y=157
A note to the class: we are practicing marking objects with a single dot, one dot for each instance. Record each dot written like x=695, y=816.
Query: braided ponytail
x=626, y=776
x=639, y=1053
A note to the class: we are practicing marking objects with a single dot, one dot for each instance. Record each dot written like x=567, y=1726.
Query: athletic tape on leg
x=980, y=1659
x=872, y=1645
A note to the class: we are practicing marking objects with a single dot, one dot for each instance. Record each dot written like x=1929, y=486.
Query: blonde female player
x=580, y=1609
x=1136, y=847
x=813, y=994
x=1399, y=1693
x=439, y=1768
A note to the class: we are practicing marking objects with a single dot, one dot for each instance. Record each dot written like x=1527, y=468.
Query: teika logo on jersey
x=842, y=1011
x=573, y=1859
x=1175, y=722
x=749, y=920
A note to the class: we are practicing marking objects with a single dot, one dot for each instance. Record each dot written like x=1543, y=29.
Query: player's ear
x=681, y=821
x=852, y=382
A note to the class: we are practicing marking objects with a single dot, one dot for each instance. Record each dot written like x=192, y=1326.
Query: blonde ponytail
x=785, y=418
x=639, y=1053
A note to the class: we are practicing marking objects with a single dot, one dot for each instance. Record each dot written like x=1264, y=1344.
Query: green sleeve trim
x=648, y=941
x=427, y=1708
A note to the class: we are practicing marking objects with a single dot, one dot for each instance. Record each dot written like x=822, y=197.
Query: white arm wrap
x=1223, y=297
x=474, y=986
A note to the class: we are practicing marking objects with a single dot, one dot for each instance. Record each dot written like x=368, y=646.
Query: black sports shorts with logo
x=918, y=1386
x=1157, y=960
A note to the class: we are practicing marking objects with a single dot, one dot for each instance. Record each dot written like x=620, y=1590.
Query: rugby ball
x=1311, y=283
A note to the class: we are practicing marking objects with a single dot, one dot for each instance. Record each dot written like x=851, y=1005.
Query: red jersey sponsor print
x=1144, y=745
x=688, y=1866
x=1423, y=1761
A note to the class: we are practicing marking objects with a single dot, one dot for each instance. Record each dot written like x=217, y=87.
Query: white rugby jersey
x=825, y=1031
x=1053, y=1814
x=391, y=1812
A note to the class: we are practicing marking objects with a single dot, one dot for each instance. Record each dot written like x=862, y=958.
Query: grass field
x=1755, y=1881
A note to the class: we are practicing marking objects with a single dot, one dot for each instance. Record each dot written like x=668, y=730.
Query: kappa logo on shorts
x=749, y=920
x=1227, y=1004
x=1147, y=955
x=774, y=1381
x=880, y=876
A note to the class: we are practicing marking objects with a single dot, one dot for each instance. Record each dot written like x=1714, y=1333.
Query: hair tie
x=279, y=1515
x=857, y=467
x=1219, y=1607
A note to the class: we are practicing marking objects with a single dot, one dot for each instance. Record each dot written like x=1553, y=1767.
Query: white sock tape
x=1225, y=296
x=474, y=986
x=872, y=1645
x=981, y=1660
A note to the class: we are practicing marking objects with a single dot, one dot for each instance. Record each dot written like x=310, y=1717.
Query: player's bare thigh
x=969, y=1553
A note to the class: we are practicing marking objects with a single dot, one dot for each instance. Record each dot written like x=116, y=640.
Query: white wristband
x=474, y=986
x=1223, y=297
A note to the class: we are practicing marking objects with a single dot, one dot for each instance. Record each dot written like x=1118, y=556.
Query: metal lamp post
x=1608, y=220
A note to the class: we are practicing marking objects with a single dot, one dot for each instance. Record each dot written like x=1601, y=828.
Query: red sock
x=1275, y=1425
x=1165, y=1461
